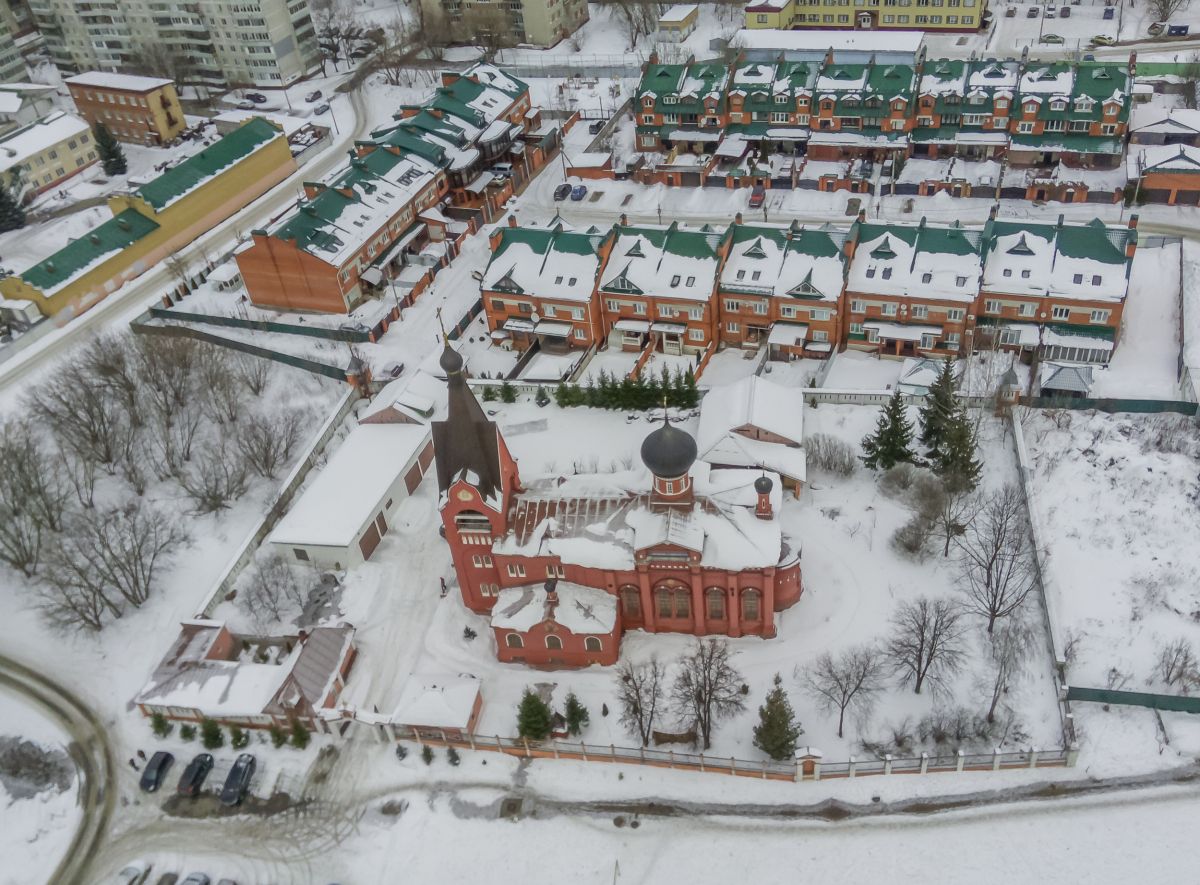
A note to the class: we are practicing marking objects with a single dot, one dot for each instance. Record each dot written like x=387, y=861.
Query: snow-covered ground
x=34, y=829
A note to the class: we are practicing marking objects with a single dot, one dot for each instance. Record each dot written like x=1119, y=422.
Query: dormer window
x=675, y=281
x=1031, y=107
x=648, y=101
x=960, y=282
x=1058, y=105
x=887, y=273
x=1084, y=104
x=670, y=99
x=977, y=99
x=870, y=273
x=781, y=99
x=691, y=281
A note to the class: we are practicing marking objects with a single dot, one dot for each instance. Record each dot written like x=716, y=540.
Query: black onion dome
x=451, y=360
x=763, y=485
x=669, y=452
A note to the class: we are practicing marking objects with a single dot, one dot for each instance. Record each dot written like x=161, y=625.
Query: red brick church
x=565, y=565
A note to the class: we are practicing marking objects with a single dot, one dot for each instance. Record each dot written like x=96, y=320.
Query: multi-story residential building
x=682, y=107
x=265, y=43
x=783, y=286
x=658, y=287
x=867, y=15
x=963, y=108
x=142, y=110
x=12, y=65
x=861, y=109
x=536, y=22
x=540, y=285
x=910, y=288
x=46, y=152
x=1056, y=288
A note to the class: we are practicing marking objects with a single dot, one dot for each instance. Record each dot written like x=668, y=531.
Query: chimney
x=993, y=212
x=1133, y=221
x=624, y=220
x=763, y=486
x=737, y=218
x=512, y=220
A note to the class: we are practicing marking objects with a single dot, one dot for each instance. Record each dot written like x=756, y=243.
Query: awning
x=500, y=335
x=517, y=325
x=981, y=138
x=372, y=276
x=669, y=328
x=640, y=326
x=554, y=330
x=403, y=243
x=789, y=334
x=818, y=346
x=482, y=180
x=684, y=135
x=734, y=146
x=898, y=332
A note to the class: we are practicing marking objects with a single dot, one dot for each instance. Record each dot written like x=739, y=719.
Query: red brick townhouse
x=685, y=548
x=1059, y=289
x=911, y=288
x=540, y=285
x=963, y=108
x=861, y=110
x=681, y=107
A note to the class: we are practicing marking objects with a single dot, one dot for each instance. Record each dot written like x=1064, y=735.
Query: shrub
x=508, y=393
x=211, y=735
x=912, y=538
x=452, y=756
x=830, y=453
x=160, y=725
x=469, y=634
x=278, y=736
x=897, y=479
x=489, y=394
x=300, y=735
x=427, y=754
x=187, y=732
x=238, y=738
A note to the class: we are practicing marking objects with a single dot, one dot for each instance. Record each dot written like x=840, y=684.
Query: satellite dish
x=535, y=317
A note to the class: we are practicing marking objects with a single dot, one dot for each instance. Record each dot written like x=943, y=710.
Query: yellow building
x=867, y=15
x=157, y=220
x=46, y=152
x=142, y=110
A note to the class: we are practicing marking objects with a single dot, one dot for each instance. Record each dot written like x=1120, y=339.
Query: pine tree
x=12, y=213
x=427, y=754
x=692, y=396
x=278, y=736
x=112, y=157
x=891, y=442
x=562, y=395
x=576, y=715
x=939, y=407
x=159, y=725
x=211, y=735
x=508, y=393
x=542, y=398
x=187, y=732
x=238, y=737
x=533, y=717
x=489, y=394
x=955, y=461
x=777, y=728
x=300, y=735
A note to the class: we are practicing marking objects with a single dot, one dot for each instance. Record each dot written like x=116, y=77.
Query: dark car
x=156, y=770
x=193, y=776
x=595, y=127
x=757, y=196
x=167, y=879
x=1032, y=12
x=238, y=781
x=256, y=97
x=562, y=192
x=578, y=193
x=313, y=96
x=321, y=109
x=197, y=879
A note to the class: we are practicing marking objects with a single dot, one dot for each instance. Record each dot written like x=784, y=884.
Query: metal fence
x=1153, y=701
x=310, y=331
x=807, y=765
x=1114, y=405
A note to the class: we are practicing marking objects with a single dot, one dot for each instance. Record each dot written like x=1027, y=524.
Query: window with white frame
x=820, y=335
x=991, y=306
x=1100, y=316
x=516, y=570
x=920, y=311
x=1060, y=313
x=732, y=328
x=889, y=309
x=1027, y=309
x=612, y=305
x=952, y=341
x=956, y=314
x=856, y=328
x=858, y=306
x=696, y=334
x=819, y=313
x=481, y=560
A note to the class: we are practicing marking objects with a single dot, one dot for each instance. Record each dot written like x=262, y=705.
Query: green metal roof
x=215, y=158
x=111, y=237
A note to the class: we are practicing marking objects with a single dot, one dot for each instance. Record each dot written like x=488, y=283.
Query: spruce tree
x=562, y=395
x=777, y=728
x=112, y=157
x=955, y=461
x=508, y=393
x=533, y=717
x=12, y=213
x=300, y=735
x=211, y=735
x=159, y=725
x=939, y=407
x=890, y=444
x=576, y=714
x=542, y=398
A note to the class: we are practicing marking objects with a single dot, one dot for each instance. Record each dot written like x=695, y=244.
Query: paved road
x=148, y=287
x=91, y=753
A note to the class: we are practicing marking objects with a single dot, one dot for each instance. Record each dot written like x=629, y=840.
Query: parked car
x=134, y=874
x=156, y=770
x=246, y=105
x=256, y=97
x=167, y=879
x=1109, y=14
x=1066, y=12
x=578, y=193
x=758, y=196
x=321, y=109
x=1102, y=40
x=1010, y=12
x=595, y=127
x=1156, y=28
x=1051, y=38
x=1032, y=12
x=313, y=96
x=193, y=776
x=1051, y=12
x=197, y=879
x=502, y=170
x=238, y=781
x=562, y=192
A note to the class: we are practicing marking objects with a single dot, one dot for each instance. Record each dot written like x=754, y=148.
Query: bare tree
x=173, y=435
x=1009, y=648
x=639, y=17
x=219, y=389
x=947, y=508
x=488, y=27
x=1176, y=664
x=338, y=29
x=213, y=479
x=83, y=416
x=32, y=479
x=271, y=590
x=253, y=371
x=707, y=688
x=111, y=361
x=997, y=567
x=81, y=470
x=1165, y=10
x=20, y=538
x=267, y=442
x=167, y=366
x=394, y=56
x=640, y=690
x=848, y=682
x=926, y=642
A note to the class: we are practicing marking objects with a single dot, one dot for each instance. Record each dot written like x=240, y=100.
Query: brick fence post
x=554, y=747
x=583, y=751
x=732, y=766
x=612, y=752
x=471, y=739
x=887, y=763
x=798, y=775
x=670, y=758
x=528, y=755
x=702, y=762
x=642, y=754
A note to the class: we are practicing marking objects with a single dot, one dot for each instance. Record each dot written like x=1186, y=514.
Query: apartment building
x=535, y=22
x=867, y=15
x=46, y=153
x=141, y=110
x=12, y=65
x=264, y=43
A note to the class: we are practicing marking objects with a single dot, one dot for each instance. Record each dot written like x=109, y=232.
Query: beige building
x=536, y=22
x=264, y=43
x=141, y=110
x=46, y=152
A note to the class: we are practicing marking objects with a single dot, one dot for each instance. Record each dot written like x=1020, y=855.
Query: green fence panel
x=1113, y=405
x=1134, y=699
x=353, y=336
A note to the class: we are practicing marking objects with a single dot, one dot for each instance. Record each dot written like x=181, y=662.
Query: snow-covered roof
x=120, y=82
x=921, y=261
x=1162, y=158
x=289, y=124
x=348, y=491
x=437, y=701
x=918, y=373
x=821, y=40
x=797, y=262
x=678, y=14
x=1083, y=261
x=18, y=146
x=580, y=610
x=1065, y=378
x=556, y=263
x=749, y=407
x=663, y=262
x=419, y=397
x=1146, y=119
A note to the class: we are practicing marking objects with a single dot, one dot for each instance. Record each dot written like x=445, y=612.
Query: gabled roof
x=214, y=159
x=548, y=263
x=96, y=246
x=1065, y=378
x=747, y=404
x=668, y=262
x=795, y=261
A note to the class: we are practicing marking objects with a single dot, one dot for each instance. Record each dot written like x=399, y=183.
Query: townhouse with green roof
x=769, y=109
x=1077, y=113
x=963, y=108
x=682, y=106
x=157, y=219
x=861, y=110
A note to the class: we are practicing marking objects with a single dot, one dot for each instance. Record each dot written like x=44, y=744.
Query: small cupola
x=669, y=453
x=763, y=487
